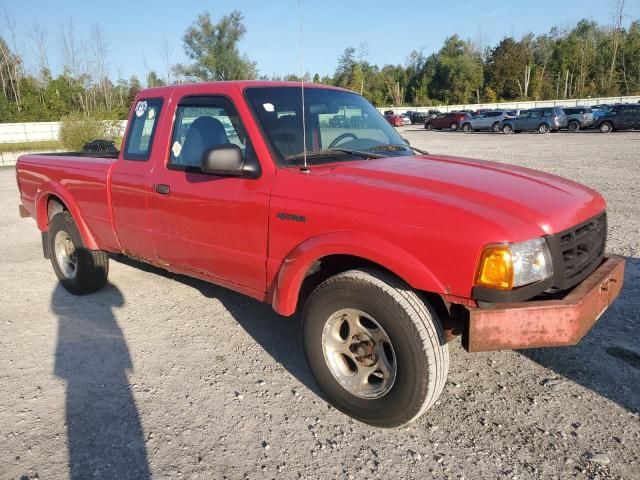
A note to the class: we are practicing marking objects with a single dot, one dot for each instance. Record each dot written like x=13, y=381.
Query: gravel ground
x=162, y=376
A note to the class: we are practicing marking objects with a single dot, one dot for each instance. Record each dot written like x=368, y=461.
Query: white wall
x=32, y=131
x=521, y=105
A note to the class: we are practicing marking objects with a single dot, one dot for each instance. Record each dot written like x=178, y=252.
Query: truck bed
x=83, y=176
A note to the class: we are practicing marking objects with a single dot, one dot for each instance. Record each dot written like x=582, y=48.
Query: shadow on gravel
x=279, y=336
x=104, y=433
x=607, y=360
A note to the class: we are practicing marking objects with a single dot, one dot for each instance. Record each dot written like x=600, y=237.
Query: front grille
x=578, y=251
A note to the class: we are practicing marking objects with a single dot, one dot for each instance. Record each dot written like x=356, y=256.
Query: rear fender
x=293, y=270
x=43, y=195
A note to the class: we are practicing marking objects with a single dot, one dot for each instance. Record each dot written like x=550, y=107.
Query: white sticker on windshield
x=268, y=107
x=141, y=107
x=151, y=114
x=176, y=149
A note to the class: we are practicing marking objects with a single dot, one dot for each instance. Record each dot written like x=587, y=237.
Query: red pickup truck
x=385, y=254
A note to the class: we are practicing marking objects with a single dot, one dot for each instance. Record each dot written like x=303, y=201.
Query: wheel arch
x=53, y=198
x=318, y=258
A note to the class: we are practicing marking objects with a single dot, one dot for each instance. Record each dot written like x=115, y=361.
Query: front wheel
x=506, y=128
x=428, y=127
x=574, y=126
x=375, y=348
x=606, y=127
x=495, y=127
x=544, y=128
x=80, y=271
x=466, y=128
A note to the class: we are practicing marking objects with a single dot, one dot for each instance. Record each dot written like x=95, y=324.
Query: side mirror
x=227, y=159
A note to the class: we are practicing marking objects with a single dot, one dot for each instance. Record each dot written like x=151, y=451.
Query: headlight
x=507, y=266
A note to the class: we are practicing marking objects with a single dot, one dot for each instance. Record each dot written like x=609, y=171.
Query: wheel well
x=331, y=265
x=54, y=206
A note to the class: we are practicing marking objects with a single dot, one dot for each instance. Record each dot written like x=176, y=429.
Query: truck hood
x=506, y=195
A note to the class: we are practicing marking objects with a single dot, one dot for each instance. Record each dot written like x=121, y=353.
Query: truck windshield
x=340, y=125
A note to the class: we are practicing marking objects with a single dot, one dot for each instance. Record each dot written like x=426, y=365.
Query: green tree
x=457, y=72
x=154, y=80
x=213, y=47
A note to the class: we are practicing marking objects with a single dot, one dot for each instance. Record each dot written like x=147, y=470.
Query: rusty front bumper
x=546, y=323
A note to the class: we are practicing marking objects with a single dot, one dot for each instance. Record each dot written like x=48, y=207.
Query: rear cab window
x=142, y=129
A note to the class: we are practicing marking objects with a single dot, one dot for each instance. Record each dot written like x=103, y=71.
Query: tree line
x=585, y=60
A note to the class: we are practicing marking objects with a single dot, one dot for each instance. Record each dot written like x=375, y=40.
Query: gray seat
x=203, y=133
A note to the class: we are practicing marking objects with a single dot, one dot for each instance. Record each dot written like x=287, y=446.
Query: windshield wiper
x=394, y=147
x=330, y=151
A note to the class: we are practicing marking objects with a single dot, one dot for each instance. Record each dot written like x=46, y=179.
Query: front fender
x=292, y=271
x=47, y=189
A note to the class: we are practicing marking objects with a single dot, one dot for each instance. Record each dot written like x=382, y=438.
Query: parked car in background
x=405, y=120
x=418, y=118
x=485, y=121
x=393, y=119
x=450, y=121
x=338, y=121
x=579, y=117
x=619, y=117
x=599, y=111
x=544, y=120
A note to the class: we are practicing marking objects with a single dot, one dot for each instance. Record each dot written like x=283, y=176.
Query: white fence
x=32, y=131
x=586, y=102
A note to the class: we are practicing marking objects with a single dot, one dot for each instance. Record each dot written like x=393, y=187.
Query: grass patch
x=31, y=146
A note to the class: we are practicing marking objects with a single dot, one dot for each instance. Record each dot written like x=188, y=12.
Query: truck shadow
x=279, y=336
x=104, y=434
x=607, y=360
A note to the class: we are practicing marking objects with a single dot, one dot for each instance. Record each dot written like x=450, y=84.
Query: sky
x=135, y=30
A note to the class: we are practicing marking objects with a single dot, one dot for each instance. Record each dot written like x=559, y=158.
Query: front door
x=213, y=225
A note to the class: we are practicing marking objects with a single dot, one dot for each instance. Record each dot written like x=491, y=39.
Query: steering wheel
x=339, y=138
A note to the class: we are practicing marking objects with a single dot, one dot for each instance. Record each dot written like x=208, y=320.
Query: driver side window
x=201, y=126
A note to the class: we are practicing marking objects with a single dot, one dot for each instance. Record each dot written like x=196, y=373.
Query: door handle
x=162, y=189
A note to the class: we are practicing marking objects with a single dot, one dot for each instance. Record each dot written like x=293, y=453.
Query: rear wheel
x=507, y=128
x=428, y=127
x=466, y=128
x=544, y=128
x=606, y=127
x=375, y=348
x=454, y=127
x=80, y=271
x=574, y=126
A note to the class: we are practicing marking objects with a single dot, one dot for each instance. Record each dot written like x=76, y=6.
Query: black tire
x=428, y=127
x=413, y=328
x=605, y=127
x=454, y=127
x=495, y=127
x=574, y=126
x=543, y=128
x=507, y=128
x=91, y=267
x=466, y=128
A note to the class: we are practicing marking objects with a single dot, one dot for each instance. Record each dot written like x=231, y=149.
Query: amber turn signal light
x=495, y=269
